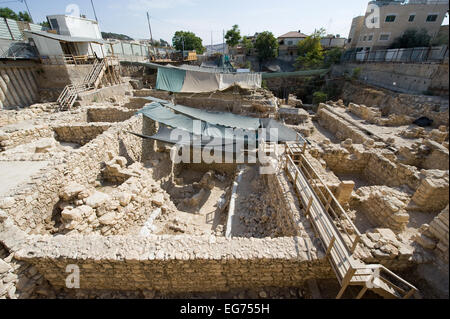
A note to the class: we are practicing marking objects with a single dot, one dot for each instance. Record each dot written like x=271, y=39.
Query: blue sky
x=204, y=17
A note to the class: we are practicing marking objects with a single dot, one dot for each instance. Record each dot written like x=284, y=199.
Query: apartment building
x=385, y=21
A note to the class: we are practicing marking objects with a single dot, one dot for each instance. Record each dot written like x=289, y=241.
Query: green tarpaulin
x=170, y=79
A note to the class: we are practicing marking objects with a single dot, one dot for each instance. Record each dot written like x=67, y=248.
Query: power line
x=93, y=8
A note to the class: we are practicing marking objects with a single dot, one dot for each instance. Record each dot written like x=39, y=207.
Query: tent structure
x=202, y=80
x=212, y=128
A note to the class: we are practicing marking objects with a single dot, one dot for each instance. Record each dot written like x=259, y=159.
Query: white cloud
x=139, y=5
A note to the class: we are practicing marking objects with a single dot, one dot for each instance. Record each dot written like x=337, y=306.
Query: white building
x=70, y=39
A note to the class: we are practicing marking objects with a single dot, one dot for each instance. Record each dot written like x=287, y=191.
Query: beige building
x=387, y=20
x=288, y=42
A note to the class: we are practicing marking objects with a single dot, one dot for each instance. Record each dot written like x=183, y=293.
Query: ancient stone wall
x=341, y=129
x=108, y=114
x=289, y=216
x=432, y=193
x=33, y=206
x=115, y=93
x=384, y=206
x=382, y=171
x=388, y=102
x=80, y=133
x=175, y=263
x=434, y=237
x=12, y=139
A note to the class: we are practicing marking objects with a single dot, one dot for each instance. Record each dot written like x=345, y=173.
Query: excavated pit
x=103, y=187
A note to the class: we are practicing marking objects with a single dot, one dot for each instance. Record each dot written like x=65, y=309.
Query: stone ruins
x=78, y=189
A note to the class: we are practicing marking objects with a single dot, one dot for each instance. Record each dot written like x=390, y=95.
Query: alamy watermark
x=373, y=18
x=73, y=279
x=225, y=146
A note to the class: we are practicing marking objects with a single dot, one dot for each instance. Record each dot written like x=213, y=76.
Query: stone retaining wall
x=341, y=129
x=32, y=207
x=289, y=216
x=20, y=137
x=80, y=133
x=109, y=114
x=169, y=263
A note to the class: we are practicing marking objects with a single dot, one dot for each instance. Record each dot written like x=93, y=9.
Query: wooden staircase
x=96, y=76
x=338, y=234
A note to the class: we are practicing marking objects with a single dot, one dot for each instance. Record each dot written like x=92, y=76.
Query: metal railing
x=411, y=55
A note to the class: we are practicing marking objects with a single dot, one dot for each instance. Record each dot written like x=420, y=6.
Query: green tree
x=247, y=44
x=24, y=16
x=233, y=36
x=45, y=24
x=332, y=56
x=8, y=14
x=267, y=46
x=189, y=40
x=310, y=51
x=411, y=39
x=319, y=97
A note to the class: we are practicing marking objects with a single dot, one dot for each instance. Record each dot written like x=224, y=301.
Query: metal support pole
x=93, y=8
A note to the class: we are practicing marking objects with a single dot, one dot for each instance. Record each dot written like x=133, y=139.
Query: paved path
x=12, y=174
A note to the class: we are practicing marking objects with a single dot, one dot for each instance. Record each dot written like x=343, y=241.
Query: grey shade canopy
x=205, y=126
x=213, y=117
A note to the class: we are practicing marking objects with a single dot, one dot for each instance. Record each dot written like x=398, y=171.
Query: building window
x=289, y=42
x=384, y=37
x=370, y=38
x=350, y=40
x=365, y=38
x=54, y=24
x=412, y=17
x=390, y=18
x=432, y=18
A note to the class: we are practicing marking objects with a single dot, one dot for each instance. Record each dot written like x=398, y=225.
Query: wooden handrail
x=338, y=205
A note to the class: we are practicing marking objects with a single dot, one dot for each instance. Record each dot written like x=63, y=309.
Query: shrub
x=319, y=97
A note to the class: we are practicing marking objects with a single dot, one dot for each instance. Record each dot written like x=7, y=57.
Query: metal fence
x=411, y=55
x=13, y=30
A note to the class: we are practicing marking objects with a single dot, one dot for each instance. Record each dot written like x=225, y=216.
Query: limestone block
x=425, y=242
x=344, y=192
x=4, y=267
x=71, y=191
x=7, y=202
x=158, y=199
x=125, y=199
x=97, y=199
x=69, y=215
x=108, y=219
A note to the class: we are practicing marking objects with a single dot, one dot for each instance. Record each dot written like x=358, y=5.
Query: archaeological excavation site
x=142, y=176
x=353, y=203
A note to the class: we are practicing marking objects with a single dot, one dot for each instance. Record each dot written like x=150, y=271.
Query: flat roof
x=63, y=38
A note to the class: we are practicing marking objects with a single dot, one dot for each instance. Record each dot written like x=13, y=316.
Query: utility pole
x=28, y=9
x=93, y=8
x=150, y=27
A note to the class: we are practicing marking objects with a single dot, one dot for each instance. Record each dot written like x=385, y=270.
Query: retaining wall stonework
x=33, y=205
x=109, y=114
x=340, y=128
x=169, y=263
x=20, y=137
x=80, y=133
x=289, y=218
